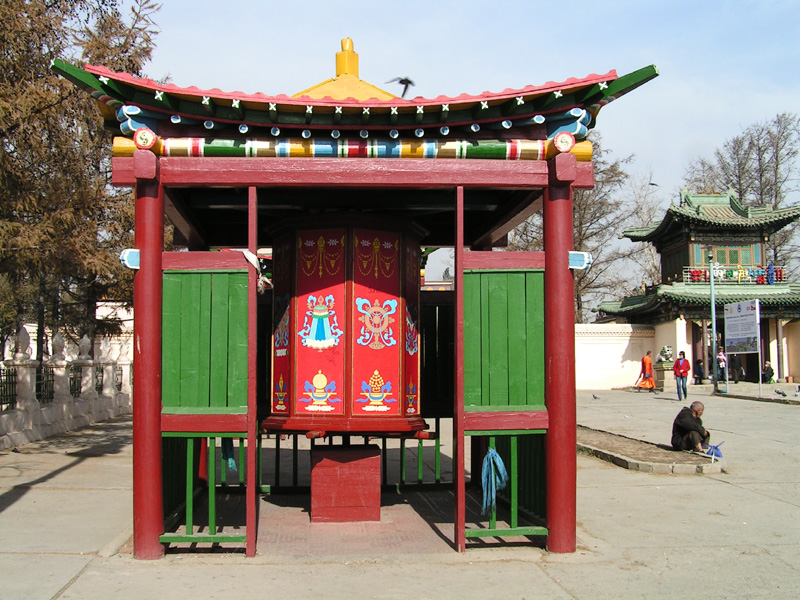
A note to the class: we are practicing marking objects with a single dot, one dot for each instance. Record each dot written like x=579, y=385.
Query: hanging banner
x=741, y=327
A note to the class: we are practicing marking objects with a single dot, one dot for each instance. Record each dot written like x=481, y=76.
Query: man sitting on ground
x=688, y=432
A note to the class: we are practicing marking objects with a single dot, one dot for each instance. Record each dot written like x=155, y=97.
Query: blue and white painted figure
x=320, y=327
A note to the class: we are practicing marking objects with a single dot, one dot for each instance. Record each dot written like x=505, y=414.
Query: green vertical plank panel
x=189, y=486
x=212, y=486
x=472, y=340
x=534, y=326
x=498, y=339
x=170, y=342
x=485, y=357
x=514, y=481
x=218, y=356
x=517, y=340
x=190, y=323
x=237, y=340
x=204, y=340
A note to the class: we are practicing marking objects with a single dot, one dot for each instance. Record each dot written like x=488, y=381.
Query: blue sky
x=723, y=64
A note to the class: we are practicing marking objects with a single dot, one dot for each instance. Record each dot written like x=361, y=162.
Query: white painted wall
x=609, y=356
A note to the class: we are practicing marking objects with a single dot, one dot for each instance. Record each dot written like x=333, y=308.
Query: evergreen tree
x=61, y=223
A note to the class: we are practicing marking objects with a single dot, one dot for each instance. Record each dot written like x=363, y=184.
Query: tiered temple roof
x=714, y=212
x=714, y=215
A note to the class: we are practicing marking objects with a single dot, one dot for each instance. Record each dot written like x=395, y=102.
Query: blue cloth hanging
x=227, y=453
x=493, y=477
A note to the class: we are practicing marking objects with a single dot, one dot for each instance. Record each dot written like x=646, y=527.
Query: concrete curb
x=674, y=468
x=758, y=398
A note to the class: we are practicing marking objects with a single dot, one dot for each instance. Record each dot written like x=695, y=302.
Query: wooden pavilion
x=251, y=171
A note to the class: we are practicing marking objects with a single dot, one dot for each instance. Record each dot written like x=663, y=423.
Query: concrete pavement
x=65, y=518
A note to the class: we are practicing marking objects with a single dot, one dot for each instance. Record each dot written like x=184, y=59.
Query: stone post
x=106, y=362
x=87, y=369
x=26, y=374
x=60, y=367
x=125, y=363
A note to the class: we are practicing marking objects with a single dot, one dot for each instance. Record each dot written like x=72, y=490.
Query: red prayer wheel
x=345, y=344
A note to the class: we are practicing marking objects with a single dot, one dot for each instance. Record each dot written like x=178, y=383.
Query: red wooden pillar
x=251, y=511
x=148, y=512
x=559, y=343
x=459, y=534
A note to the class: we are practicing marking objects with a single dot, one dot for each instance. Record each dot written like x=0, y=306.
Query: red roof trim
x=531, y=90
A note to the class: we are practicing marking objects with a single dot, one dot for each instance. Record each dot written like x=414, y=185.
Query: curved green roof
x=783, y=295
x=714, y=211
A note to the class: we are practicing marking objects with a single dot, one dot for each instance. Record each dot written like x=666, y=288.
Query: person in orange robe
x=646, y=380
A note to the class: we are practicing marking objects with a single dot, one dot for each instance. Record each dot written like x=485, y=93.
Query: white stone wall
x=791, y=334
x=32, y=420
x=609, y=356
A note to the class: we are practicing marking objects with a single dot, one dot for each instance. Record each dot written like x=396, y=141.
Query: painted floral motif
x=279, y=397
x=321, y=256
x=375, y=258
x=320, y=394
x=411, y=398
x=412, y=340
x=282, y=331
x=376, y=393
x=376, y=331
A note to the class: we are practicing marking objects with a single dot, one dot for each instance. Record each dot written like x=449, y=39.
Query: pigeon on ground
x=780, y=393
x=595, y=397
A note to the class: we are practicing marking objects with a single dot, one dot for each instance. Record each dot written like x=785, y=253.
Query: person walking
x=722, y=363
x=681, y=368
x=645, y=380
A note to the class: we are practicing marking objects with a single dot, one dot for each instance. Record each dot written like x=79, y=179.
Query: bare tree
x=61, y=223
x=597, y=215
x=647, y=209
x=760, y=165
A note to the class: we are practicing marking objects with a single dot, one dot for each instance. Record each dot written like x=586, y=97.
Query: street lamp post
x=713, y=318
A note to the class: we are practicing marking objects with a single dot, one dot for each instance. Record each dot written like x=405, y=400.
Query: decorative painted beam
x=209, y=106
x=164, y=101
x=327, y=172
x=348, y=148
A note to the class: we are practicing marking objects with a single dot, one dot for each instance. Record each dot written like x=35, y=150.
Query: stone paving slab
x=639, y=534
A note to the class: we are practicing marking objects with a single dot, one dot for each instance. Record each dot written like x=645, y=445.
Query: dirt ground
x=636, y=449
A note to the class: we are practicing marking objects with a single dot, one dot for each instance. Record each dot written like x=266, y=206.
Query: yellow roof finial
x=347, y=59
x=346, y=84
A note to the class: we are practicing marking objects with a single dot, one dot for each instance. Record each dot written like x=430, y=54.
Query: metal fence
x=45, y=384
x=8, y=389
x=75, y=373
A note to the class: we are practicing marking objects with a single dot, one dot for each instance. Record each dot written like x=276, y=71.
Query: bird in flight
x=404, y=81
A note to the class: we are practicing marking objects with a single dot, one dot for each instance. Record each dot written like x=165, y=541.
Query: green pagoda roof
x=714, y=211
x=778, y=298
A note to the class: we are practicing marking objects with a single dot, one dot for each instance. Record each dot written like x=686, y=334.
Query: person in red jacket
x=681, y=369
